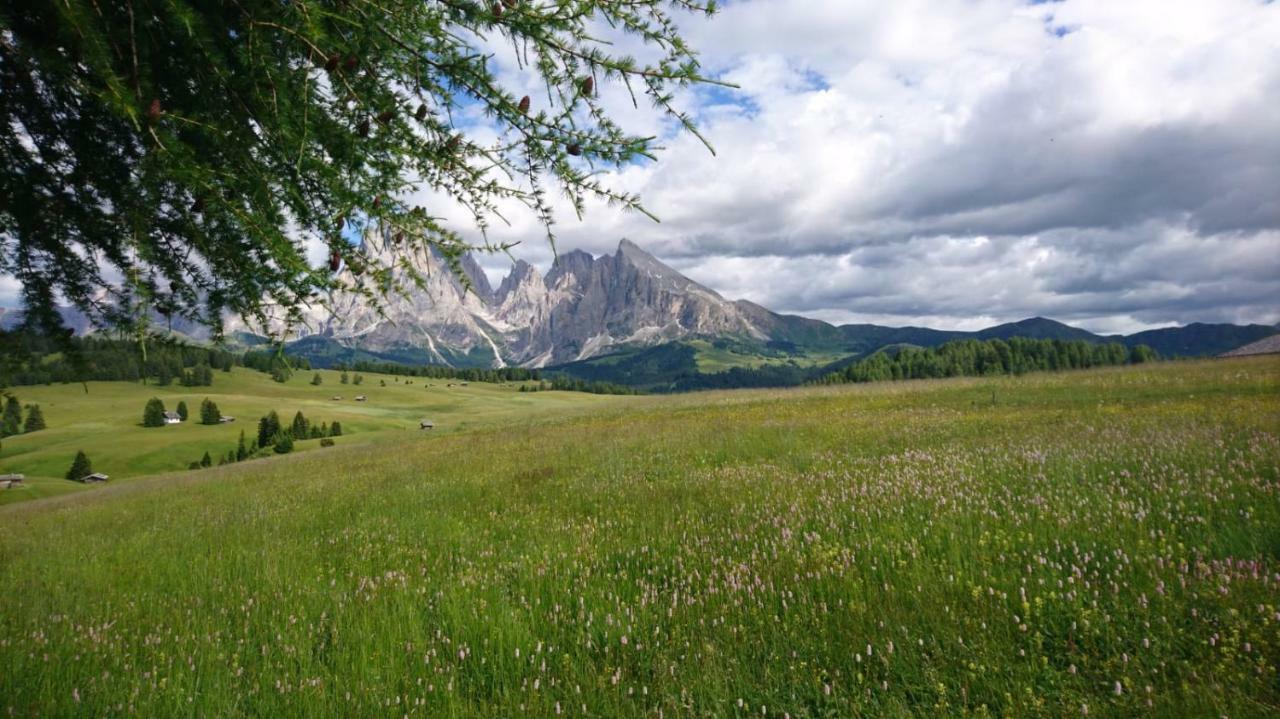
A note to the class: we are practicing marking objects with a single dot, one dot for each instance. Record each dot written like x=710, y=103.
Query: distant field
x=106, y=421
x=1096, y=543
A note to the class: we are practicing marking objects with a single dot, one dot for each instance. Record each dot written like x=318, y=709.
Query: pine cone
x=524, y=104
x=197, y=207
x=332, y=63
x=588, y=85
x=377, y=202
x=497, y=10
x=153, y=111
x=363, y=128
x=421, y=113
x=342, y=222
x=574, y=149
x=352, y=63
x=335, y=261
x=385, y=117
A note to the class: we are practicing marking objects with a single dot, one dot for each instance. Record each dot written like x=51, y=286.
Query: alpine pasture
x=105, y=419
x=1093, y=543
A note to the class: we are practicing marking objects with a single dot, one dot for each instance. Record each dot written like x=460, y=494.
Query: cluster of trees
x=153, y=413
x=430, y=371
x=242, y=451
x=562, y=383
x=272, y=433
x=12, y=422
x=347, y=379
x=274, y=363
x=35, y=359
x=977, y=358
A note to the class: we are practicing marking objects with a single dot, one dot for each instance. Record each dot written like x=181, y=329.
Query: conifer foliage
x=193, y=148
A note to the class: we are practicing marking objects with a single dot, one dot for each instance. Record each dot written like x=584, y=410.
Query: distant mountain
x=584, y=307
x=1199, y=340
x=622, y=304
x=1268, y=346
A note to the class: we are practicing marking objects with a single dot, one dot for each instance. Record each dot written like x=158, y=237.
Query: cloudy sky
x=957, y=163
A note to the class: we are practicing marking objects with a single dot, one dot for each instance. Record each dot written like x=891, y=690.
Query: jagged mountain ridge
x=584, y=307
x=589, y=306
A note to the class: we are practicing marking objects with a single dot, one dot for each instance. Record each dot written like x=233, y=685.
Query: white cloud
x=954, y=162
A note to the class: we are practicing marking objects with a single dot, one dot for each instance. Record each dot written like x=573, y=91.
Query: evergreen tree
x=209, y=412
x=358, y=379
x=283, y=443
x=182, y=410
x=268, y=428
x=335, y=429
x=344, y=379
x=80, y=467
x=316, y=380
x=35, y=419
x=11, y=423
x=206, y=460
x=300, y=427
x=242, y=452
x=153, y=414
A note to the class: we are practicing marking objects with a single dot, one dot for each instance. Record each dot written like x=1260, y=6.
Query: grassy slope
x=1107, y=538
x=106, y=421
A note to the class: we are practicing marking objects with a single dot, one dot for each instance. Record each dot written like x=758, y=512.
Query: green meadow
x=1092, y=543
x=105, y=419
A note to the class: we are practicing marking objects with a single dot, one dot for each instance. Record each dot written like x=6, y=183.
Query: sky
x=959, y=163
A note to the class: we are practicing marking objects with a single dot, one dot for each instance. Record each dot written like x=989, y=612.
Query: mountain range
x=588, y=309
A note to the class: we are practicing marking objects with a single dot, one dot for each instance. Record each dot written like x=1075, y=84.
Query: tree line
x=430, y=371
x=980, y=358
x=564, y=383
x=33, y=359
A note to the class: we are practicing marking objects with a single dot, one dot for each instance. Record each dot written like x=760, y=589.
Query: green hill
x=105, y=421
x=1101, y=542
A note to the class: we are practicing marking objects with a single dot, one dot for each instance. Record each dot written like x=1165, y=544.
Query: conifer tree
x=182, y=410
x=209, y=412
x=80, y=467
x=11, y=422
x=300, y=427
x=316, y=380
x=268, y=428
x=35, y=419
x=335, y=429
x=234, y=133
x=206, y=460
x=153, y=414
x=283, y=443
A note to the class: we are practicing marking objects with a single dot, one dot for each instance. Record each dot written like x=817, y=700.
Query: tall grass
x=1102, y=543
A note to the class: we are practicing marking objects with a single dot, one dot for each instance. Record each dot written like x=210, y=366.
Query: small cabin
x=9, y=481
x=224, y=419
x=337, y=397
x=171, y=417
x=426, y=424
x=362, y=398
x=94, y=478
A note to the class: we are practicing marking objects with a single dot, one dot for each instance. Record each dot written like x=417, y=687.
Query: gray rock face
x=584, y=307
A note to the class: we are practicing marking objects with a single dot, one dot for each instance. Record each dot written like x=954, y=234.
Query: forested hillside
x=979, y=358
